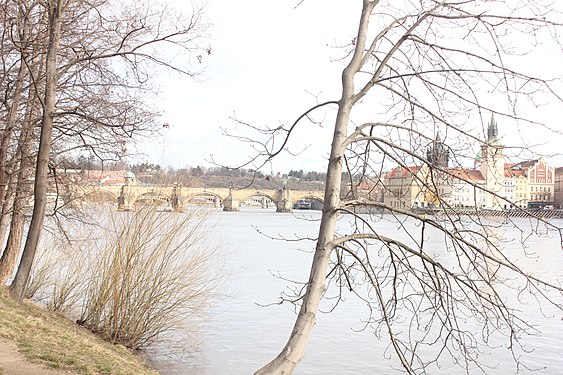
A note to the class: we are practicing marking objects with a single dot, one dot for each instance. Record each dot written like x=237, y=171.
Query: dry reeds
x=148, y=274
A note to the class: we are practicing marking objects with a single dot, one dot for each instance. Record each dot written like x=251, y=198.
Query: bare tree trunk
x=4, y=145
x=294, y=350
x=10, y=254
x=17, y=288
x=7, y=207
x=20, y=186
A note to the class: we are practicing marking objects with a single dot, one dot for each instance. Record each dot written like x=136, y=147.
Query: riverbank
x=34, y=340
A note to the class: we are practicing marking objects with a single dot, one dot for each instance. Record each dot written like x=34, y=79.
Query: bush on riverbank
x=147, y=274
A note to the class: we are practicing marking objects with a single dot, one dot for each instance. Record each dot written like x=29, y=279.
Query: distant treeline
x=201, y=176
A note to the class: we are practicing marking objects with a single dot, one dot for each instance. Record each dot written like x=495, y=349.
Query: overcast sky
x=269, y=62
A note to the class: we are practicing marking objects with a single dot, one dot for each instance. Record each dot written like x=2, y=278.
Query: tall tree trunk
x=7, y=206
x=294, y=349
x=21, y=187
x=5, y=199
x=24, y=153
x=17, y=289
x=10, y=254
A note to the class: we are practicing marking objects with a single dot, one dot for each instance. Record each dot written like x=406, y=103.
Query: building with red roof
x=493, y=184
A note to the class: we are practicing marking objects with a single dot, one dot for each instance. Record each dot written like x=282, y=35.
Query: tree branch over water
x=447, y=283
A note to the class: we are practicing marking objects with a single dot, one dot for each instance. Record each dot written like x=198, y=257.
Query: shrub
x=147, y=274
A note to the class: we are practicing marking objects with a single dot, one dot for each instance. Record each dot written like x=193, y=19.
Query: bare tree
x=98, y=63
x=22, y=26
x=22, y=190
x=423, y=67
x=13, y=85
x=55, y=10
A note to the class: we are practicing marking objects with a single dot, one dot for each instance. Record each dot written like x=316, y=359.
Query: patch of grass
x=50, y=339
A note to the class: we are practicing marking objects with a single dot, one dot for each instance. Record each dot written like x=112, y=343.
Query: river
x=246, y=327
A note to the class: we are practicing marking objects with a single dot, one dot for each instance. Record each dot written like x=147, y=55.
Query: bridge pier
x=231, y=204
x=283, y=203
x=175, y=200
x=125, y=201
x=217, y=202
x=284, y=206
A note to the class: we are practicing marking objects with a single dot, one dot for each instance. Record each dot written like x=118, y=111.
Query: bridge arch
x=202, y=198
x=151, y=198
x=261, y=199
x=99, y=196
x=307, y=201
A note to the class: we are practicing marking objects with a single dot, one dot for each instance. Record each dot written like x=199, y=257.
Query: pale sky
x=268, y=62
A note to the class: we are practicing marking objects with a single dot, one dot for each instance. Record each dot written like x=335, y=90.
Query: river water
x=246, y=327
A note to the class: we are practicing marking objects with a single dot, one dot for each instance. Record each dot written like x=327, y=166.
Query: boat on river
x=303, y=204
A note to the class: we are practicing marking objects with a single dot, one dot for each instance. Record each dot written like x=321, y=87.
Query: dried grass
x=148, y=273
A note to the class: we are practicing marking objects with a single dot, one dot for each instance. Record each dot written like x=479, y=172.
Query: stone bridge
x=177, y=197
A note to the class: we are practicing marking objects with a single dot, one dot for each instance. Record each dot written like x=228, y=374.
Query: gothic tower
x=492, y=166
x=437, y=153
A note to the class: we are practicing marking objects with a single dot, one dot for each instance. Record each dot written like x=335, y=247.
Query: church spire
x=492, y=132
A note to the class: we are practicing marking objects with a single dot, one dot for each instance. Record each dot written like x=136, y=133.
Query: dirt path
x=12, y=362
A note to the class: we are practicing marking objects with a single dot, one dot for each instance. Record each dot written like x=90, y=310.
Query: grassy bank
x=50, y=339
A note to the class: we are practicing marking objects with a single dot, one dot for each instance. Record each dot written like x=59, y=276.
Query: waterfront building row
x=491, y=184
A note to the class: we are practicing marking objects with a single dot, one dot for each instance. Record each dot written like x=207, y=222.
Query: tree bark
x=17, y=289
x=10, y=254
